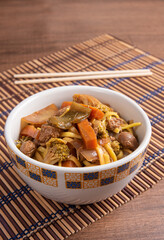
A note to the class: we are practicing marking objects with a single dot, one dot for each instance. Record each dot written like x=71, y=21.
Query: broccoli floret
x=56, y=151
x=100, y=128
x=102, y=132
x=116, y=147
x=104, y=108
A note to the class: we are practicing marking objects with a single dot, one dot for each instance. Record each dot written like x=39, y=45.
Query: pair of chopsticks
x=73, y=76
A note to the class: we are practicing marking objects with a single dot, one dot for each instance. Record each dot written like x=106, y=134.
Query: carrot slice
x=66, y=104
x=95, y=113
x=30, y=131
x=41, y=116
x=37, y=134
x=88, y=134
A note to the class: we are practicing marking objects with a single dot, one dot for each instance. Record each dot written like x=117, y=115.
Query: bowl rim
x=98, y=168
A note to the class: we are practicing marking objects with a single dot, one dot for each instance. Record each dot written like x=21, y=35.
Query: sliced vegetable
x=95, y=113
x=88, y=134
x=73, y=130
x=30, y=131
x=75, y=160
x=68, y=163
x=41, y=116
x=66, y=104
x=42, y=151
x=38, y=157
x=76, y=113
x=77, y=144
x=89, y=154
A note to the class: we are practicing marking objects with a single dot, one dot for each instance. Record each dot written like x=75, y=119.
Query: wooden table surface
x=32, y=29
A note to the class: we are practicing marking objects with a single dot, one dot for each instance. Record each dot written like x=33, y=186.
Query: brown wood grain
x=32, y=29
x=141, y=218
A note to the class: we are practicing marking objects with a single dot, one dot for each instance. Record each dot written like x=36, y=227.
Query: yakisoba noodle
x=81, y=133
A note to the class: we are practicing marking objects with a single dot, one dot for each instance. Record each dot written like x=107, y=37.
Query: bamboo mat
x=28, y=215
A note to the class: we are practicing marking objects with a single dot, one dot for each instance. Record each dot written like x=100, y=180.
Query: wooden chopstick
x=85, y=76
x=68, y=74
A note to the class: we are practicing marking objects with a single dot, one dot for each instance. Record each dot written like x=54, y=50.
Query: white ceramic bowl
x=77, y=185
